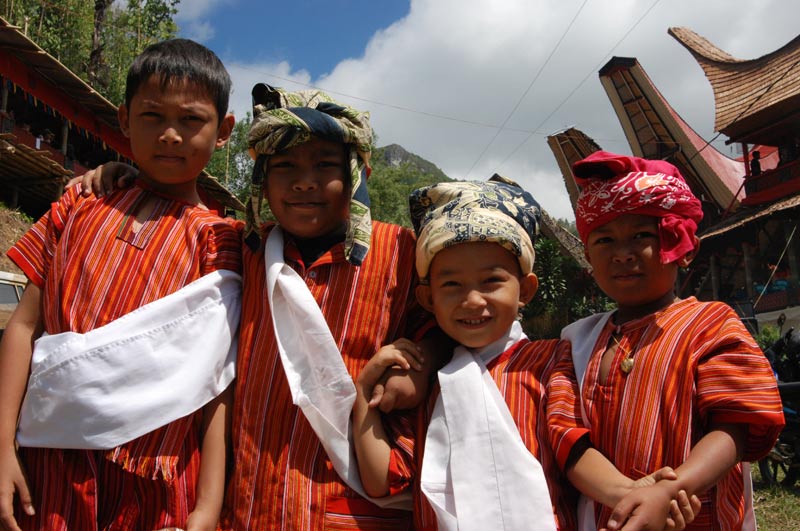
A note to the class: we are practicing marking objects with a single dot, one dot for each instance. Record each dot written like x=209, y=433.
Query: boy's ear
x=122, y=115
x=528, y=286
x=686, y=259
x=225, y=129
x=424, y=297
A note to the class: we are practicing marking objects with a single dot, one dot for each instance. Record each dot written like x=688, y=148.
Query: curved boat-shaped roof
x=757, y=100
x=569, y=146
x=656, y=131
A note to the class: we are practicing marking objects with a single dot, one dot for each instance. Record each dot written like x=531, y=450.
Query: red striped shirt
x=521, y=374
x=93, y=268
x=694, y=364
x=282, y=476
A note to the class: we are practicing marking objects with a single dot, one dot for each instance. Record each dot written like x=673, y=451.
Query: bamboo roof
x=757, y=100
x=654, y=130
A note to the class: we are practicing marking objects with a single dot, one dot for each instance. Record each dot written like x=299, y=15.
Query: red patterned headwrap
x=613, y=185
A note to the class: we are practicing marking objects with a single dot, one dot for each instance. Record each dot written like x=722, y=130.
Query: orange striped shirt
x=93, y=268
x=520, y=374
x=282, y=477
x=694, y=364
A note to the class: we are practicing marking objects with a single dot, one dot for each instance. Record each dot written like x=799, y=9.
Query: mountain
x=396, y=156
x=395, y=173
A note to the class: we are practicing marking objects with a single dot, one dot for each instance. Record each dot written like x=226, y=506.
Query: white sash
x=133, y=375
x=477, y=472
x=318, y=379
x=583, y=336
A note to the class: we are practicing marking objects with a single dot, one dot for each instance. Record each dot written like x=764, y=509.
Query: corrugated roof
x=757, y=100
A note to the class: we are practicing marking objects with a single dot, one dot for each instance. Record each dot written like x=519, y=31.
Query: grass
x=777, y=508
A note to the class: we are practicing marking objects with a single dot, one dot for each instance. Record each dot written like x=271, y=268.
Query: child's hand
x=641, y=509
x=403, y=354
x=12, y=481
x=105, y=178
x=200, y=520
x=400, y=389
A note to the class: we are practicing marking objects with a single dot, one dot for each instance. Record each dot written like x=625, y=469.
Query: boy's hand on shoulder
x=105, y=178
x=12, y=482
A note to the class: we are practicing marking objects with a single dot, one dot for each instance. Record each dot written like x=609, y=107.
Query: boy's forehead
x=635, y=221
x=315, y=145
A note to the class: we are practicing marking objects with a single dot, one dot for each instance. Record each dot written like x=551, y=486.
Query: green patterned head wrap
x=282, y=120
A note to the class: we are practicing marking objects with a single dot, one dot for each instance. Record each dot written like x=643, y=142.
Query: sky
x=475, y=86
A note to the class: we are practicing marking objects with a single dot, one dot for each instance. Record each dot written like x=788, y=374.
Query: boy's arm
x=708, y=462
x=213, y=456
x=16, y=349
x=372, y=445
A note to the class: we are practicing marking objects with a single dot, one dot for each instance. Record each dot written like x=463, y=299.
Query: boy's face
x=626, y=264
x=476, y=292
x=173, y=133
x=308, y=188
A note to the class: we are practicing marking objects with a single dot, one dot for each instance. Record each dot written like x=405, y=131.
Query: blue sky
x=475, y=86
x=313, y=34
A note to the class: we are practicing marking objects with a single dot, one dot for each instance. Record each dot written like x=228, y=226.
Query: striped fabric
x=282, y=477
x=520, y=374
x=694, y=363
x=93, y=268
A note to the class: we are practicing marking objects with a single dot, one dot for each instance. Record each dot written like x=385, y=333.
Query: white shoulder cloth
x=318, y=379
x=122, y=380
x=476, y=472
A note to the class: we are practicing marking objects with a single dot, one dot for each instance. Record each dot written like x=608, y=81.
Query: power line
x=535, y=78
x=595, y=69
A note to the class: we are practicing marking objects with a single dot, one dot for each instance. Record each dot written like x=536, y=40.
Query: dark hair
x=181, y=59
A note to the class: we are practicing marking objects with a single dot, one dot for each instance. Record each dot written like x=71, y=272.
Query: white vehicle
x=11, y=286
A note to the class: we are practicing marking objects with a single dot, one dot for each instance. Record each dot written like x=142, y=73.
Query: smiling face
x=173, y=131
x=308, y=188
x=626, y=264
x=476, y=291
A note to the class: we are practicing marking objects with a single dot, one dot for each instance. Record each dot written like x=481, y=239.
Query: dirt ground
x=12, y=226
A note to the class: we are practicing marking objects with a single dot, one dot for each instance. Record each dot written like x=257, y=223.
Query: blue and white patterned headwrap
x=282, y=120
x=497, y=210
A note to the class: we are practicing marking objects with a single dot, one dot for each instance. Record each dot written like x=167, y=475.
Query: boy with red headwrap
x=659, y=381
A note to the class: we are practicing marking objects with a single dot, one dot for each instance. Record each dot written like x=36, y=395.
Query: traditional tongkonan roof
x=656, y=131
x=757, y=100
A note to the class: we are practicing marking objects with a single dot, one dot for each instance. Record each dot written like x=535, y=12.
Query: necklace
x=626, y=365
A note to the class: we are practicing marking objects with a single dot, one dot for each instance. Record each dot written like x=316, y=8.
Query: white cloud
x=473, y=59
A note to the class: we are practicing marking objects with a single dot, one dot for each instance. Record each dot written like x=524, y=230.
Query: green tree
x=232, y=165
x=63, y=27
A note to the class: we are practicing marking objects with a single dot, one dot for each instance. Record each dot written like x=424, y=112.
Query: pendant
x=626, y=365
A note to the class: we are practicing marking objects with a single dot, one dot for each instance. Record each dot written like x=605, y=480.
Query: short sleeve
x=400, y=427
x=34, y=252
x=564, y=421
x=223, y=247
x=735, y=385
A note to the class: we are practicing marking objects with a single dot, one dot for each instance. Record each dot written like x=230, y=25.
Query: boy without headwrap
x=660, y=381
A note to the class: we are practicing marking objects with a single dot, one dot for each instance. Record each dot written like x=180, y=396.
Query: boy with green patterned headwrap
x=326, y=287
